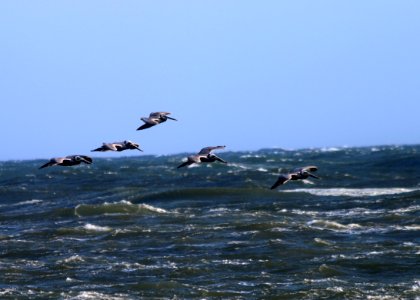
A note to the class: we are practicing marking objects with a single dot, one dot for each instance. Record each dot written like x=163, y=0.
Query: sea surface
x=139, y=228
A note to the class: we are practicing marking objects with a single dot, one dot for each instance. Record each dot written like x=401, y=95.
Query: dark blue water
x=130, y=228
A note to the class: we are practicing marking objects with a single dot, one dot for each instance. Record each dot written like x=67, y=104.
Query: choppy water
x=130, y=228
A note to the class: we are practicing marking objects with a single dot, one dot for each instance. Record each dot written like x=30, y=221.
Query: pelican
x=154, y=119
x=205, y=155
x=67, y=161
x=296, y=174
x=117, y=146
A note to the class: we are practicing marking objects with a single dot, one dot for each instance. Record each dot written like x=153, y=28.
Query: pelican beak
x=138, y=148
x=172, y=118
x=313, y=176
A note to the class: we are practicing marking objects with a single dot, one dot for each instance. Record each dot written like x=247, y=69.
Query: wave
x=354, y=192
x=86, y=295
x=117, y=208
x=96, y=228
x=332, y=225
x=205, y=193
x=26, y=202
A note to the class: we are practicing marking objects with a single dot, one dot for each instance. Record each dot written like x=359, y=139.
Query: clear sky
x=245, y=74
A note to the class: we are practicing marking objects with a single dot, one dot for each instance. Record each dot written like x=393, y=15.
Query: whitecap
x=29, y=202
x=416, y=286
x=91, y=227
x=354, y=192
x=239, y=166
x=408, y=209
x=408, y=227
x=86, y=295
x=72, y=259
x=330, y=149
x=332, y=225
x=322, y=242
x=153, y=208
x=251, y=156
x=32, y=201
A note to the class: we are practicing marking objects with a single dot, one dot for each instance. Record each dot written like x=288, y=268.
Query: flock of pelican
x=205, y=155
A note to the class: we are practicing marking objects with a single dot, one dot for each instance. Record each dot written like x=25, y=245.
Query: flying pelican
x=299, y=173
x=68, y=161
x=154, y=119
x=205, y=155
x=117, y=146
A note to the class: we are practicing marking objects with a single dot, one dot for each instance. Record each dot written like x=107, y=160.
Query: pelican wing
x=158, y=114
x=310, y=168
x=283, y=178
x=72, y=158
x=187, y=163
x=219, y=159
x=111, y=146
x=52, y=162
x=145, y=125
x=208, y=150
x=87, y=159
x=304, y=169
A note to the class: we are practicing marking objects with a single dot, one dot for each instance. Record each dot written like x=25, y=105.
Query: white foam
x=416, y=286
x=252, y=156
x=120, y=202
x=29, y=202
x=86, y=295
x=411, y=208
x=352, y=192
x=72, y=259
x=332, y=225
x=91, y=227
x=153, y=208
x=408, y=227
x=32, y=201
x=240, y=166
x=322, y=242
x=330, y=149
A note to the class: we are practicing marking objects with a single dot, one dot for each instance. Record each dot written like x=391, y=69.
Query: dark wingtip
x=182, y=165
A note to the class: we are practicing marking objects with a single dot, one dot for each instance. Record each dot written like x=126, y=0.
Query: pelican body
x=118, y=146
x=68, y=161
x=204, y=156
x=296, y=174
x=155, y=118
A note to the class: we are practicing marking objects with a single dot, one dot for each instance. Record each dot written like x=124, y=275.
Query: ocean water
x=138, y=228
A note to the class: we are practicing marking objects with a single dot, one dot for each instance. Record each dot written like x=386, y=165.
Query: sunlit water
x=129, y=228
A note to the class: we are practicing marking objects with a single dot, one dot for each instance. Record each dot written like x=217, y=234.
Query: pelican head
x=132, y=145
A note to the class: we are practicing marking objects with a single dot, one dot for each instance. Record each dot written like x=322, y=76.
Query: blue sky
x=245, y=74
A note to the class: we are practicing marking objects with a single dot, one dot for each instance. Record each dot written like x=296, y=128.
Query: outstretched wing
x=208, y=150
x=283, y=178
x=106, y=147
x=187, y=163
x=52, y=162
x=158, y=114
x=86, y=159
x=307, y=171
x=310, y=168
x=145, y=125
x=219, y=159
x=48, y=164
